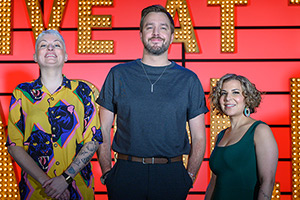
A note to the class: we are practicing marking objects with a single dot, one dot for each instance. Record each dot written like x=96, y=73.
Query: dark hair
x=251, y=94
x=156, y=8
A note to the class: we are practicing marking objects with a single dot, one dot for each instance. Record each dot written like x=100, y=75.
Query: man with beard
x=153, y=99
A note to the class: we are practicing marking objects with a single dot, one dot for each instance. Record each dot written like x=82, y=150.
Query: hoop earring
x=247, y=112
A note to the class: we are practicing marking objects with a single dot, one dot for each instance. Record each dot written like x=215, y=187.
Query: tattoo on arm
x=76, y=162
x=87, y=159
x=92, y=146
x=82, y=152
x=265, y=195
x=71, y=170
x=83, y=157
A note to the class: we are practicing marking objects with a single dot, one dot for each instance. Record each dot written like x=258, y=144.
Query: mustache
x=156, y=38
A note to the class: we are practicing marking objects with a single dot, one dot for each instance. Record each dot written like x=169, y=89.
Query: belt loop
x=169, y=160
x=129, y=158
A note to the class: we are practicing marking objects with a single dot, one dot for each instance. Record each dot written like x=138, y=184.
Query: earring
x=247, y=112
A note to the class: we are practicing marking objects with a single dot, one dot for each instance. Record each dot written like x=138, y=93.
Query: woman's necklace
x=152, y=84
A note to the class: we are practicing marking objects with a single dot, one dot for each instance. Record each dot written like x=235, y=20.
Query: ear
x=66, y=57
x=141, y=36
x=35, y=57
x=172, y=38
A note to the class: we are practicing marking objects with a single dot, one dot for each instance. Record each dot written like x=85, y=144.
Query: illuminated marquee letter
x=227, y=22
x=36, y=20
x=186, y=32
x=5, y=29
x=295, y=131
x=85, y=23
x=8, y=185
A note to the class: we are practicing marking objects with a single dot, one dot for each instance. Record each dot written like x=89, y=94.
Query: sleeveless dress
x=235, y=168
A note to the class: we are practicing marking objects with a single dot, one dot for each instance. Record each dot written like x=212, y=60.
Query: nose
x=155, y=31
x=50, y=47
x=227, y=97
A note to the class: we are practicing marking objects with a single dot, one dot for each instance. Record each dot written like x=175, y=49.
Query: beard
x=156, y=50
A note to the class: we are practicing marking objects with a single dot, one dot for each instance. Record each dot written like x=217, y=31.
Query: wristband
x=67, y=177
x=193, y=177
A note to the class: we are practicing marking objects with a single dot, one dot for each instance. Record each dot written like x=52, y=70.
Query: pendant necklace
x=152, y=84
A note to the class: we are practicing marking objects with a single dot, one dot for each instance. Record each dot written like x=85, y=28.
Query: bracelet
x=68, y=178
x=193, y=177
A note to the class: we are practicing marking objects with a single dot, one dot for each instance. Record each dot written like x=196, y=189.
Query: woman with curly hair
x=245, y=156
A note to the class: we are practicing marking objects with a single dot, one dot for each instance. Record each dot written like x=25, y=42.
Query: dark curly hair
x=251, y=94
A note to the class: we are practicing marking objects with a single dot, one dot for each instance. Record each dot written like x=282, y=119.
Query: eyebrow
x=162, y=24
x=43, y=40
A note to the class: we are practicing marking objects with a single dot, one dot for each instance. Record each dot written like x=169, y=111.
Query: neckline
x=139, y=61
x=239, y=139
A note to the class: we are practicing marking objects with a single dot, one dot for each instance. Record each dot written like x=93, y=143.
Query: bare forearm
x=104, y=157
x=265, y=190
x=104, y=151
x=83, y=158
x=197, y=127
x=196, y=155
x=28, y=164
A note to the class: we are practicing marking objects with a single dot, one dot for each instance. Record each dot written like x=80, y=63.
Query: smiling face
x=156, y=33
x=50, y=52
x=232, y=101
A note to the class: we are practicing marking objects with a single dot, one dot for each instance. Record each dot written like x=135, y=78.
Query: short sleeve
x=106, y=96
x=91, y=119
x=16, y=123
x=197, y=102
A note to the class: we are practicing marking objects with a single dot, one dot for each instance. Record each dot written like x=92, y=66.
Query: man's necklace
x=152, y=84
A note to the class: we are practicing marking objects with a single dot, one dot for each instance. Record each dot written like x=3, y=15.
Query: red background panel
x=13, y=74
x=283, y=139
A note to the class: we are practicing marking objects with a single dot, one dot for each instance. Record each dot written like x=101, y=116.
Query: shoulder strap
x=254, y=125
x=220, y=136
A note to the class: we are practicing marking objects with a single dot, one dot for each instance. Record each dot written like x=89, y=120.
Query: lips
x=50, y=55
x=229, y=105
x=156, y=39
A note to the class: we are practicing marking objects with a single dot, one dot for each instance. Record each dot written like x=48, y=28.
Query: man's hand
x=56, y=187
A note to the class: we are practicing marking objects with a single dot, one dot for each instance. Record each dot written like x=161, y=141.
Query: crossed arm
x=57, y=186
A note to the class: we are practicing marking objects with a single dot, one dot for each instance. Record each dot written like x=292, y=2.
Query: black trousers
x=137, y=181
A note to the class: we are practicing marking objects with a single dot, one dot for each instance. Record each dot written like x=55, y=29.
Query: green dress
x=235, y=168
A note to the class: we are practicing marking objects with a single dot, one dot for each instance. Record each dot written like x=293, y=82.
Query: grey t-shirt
x=152, y=124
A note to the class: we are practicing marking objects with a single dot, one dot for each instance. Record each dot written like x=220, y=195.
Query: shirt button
x=57, y=163
x=55, y=145
x=52, y=99
x=53, y=128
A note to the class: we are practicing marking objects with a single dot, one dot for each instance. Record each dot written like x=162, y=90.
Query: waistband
x=152, y=160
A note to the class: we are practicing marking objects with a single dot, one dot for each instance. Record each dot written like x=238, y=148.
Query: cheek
x=221, y=100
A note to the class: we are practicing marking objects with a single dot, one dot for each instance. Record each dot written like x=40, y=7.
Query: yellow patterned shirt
x=52, y=128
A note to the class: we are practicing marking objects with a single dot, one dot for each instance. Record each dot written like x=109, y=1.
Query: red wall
x=267, y=40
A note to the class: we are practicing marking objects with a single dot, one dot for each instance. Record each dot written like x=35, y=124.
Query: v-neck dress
x=235, y=168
